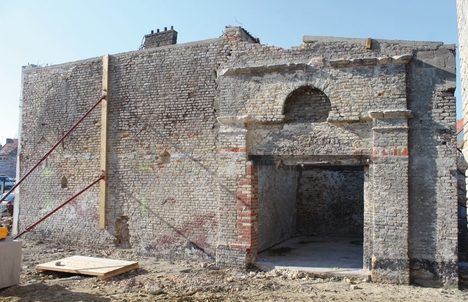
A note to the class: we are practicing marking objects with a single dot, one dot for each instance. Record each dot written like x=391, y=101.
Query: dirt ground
x=163, y=280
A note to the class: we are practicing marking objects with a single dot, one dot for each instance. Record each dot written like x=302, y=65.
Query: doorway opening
x=311, y=216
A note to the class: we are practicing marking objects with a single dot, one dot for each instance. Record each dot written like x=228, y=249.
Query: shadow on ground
x=44, y=292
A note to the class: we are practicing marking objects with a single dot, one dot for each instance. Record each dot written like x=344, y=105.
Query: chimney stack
x=164, y=38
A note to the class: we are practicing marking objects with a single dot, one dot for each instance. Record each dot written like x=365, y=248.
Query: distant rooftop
x=10, y=146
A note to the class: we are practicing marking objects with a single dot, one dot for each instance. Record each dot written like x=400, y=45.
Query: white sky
x=59, y=31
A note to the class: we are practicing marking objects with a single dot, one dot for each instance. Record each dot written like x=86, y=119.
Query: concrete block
x=10, y=262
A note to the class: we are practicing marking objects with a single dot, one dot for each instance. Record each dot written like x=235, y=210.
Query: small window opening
x=64, y=182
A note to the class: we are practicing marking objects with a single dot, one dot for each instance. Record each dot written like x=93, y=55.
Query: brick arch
x=306, y=104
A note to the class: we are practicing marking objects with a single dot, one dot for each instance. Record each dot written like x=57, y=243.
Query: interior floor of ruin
x=322, y=255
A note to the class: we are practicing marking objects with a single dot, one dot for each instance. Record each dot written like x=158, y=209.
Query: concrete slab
x=325, y=256
x=10, y=262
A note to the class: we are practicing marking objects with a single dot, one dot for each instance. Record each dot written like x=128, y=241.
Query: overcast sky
x=59, y=31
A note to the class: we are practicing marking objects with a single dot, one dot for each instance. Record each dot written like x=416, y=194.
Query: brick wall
x=432, y=156
x=367, y=125
x=161, y=165
x=55, y=98
x=163, y=38
x=331, y=202
x=198, y=131
x=307, y=104
x=462, y=13
x=277, y=208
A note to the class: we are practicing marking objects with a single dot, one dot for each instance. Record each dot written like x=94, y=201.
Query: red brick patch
x=247, y=210
x=234, y=150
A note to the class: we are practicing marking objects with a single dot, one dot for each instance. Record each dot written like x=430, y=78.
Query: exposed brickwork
x=307, y=104
x=462, y=13
x=277, y=207
x=199, y=132
x=247, y=212
x=331, y=202
x=163, y=38
x=432, y=157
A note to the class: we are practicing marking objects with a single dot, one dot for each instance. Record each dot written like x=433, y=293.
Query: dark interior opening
x=312, y=205
x=330, y=202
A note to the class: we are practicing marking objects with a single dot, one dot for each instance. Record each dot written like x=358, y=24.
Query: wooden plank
x=369, y=43
x=100, y=267
x=103, y=183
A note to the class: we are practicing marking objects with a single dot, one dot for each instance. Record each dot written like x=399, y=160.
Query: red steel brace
x=29, y=228
x=53, y=148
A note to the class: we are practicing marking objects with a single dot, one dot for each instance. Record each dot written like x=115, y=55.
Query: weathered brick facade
x=462, y=14
x=214, y=149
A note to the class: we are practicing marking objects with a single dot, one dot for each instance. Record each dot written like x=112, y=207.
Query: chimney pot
x=165, y=28
x=152, y=31
x=172, y=27
x=157, y=30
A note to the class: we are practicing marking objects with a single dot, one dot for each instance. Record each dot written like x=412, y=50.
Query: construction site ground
x=163, y=280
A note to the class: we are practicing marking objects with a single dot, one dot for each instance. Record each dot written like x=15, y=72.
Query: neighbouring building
x=223, y=148
x=8, y=154
x=462, y=13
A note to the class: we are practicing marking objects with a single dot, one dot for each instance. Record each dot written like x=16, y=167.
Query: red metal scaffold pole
x=53, y=148
x=29, y=228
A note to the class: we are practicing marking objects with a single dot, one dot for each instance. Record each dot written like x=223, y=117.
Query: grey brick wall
x=277, y=208
x=331, y=202
x=462, y=13
x=160, y=38
x=55, y=98
x=198, y=131
x=432, y=141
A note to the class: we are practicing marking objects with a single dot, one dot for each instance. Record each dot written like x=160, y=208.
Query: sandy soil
x=193, y=281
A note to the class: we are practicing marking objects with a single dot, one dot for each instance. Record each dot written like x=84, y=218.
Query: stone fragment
x=369, y=61
x=384, y=61
x=154, y=290
x=340, y=63
x=402, y=59
x=316, y=62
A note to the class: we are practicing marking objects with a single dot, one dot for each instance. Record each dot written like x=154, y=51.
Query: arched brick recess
x=307, y=104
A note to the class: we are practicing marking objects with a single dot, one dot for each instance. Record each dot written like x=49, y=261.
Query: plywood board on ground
x=99, y=267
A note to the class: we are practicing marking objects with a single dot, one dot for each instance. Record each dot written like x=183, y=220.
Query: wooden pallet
x=100, y=267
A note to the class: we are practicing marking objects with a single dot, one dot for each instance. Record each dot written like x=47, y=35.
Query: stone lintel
x=359, y=62
x=232, y=120
x=427, y=45
x=232, y=130
x=347, y=161
x=340, y=63
x=322, y=39
x=391, y=113
x=264, y=69
x=336, y=118
x=242, y=120
x=389, y=128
